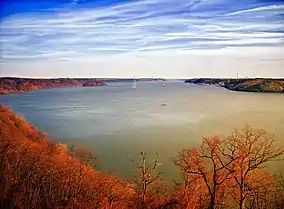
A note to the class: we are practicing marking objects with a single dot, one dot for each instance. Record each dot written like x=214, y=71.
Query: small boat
x=134, y=84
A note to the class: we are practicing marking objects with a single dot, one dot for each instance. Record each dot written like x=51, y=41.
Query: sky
x=142, y=38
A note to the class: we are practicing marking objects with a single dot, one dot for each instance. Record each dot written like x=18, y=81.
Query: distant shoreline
x=9, y=85
x=265, y=85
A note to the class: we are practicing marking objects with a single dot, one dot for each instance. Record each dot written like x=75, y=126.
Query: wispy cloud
x=275, y=8
x=139, y=26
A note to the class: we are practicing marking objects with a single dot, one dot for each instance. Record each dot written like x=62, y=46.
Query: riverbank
x=267, y=85
x=12, y=85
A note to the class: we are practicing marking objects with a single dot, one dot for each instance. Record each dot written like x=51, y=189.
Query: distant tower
x=237, y=75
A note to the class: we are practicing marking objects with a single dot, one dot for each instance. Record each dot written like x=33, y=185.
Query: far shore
x=10, y=85
x=265, y=85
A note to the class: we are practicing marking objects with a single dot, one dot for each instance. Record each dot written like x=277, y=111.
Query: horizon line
x=177, y=78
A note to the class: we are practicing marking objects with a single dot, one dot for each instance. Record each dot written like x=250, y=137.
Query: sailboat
x=134, y=83
x=164, y=83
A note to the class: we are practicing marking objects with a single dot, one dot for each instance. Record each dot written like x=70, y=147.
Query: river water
x=119, y=122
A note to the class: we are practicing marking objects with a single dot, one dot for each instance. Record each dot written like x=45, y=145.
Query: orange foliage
x=11, y=85
x=38, y=174
x=229, y=169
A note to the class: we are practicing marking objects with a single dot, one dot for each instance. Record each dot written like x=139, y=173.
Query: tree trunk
x=212, y=202
x=242, y=204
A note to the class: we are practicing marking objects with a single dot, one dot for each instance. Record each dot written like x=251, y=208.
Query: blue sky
x=146, y=38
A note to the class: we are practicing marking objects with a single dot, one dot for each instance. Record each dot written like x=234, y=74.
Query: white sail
x=134, y=84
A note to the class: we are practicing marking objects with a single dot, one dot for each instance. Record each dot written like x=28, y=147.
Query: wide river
x=119, y=122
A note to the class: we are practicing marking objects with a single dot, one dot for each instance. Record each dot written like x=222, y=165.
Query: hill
x=247, y=85
x=36, y=173
x=12, y=85
x=94, y=82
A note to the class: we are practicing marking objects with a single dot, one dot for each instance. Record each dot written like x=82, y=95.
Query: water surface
x=120, y=122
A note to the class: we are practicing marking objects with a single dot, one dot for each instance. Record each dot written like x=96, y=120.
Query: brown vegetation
x=268, y=85
x=231, y=169
x=94, y=83
x=224, y=172
x=11, y=85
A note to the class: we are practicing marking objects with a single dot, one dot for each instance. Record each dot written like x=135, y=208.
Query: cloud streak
x=141, y=26
x=276, y=8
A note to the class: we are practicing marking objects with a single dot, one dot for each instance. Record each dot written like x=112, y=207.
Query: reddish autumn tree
x=261, y=190
x=279, y=195
x=250, y=150
x=232, y=167
x=206, y=165
x=85, y=155
x=36, y=173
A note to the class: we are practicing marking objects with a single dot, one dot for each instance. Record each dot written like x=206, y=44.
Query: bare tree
x=206, y=165
x=233, y=162
x=249, y=150
x=146, y=175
